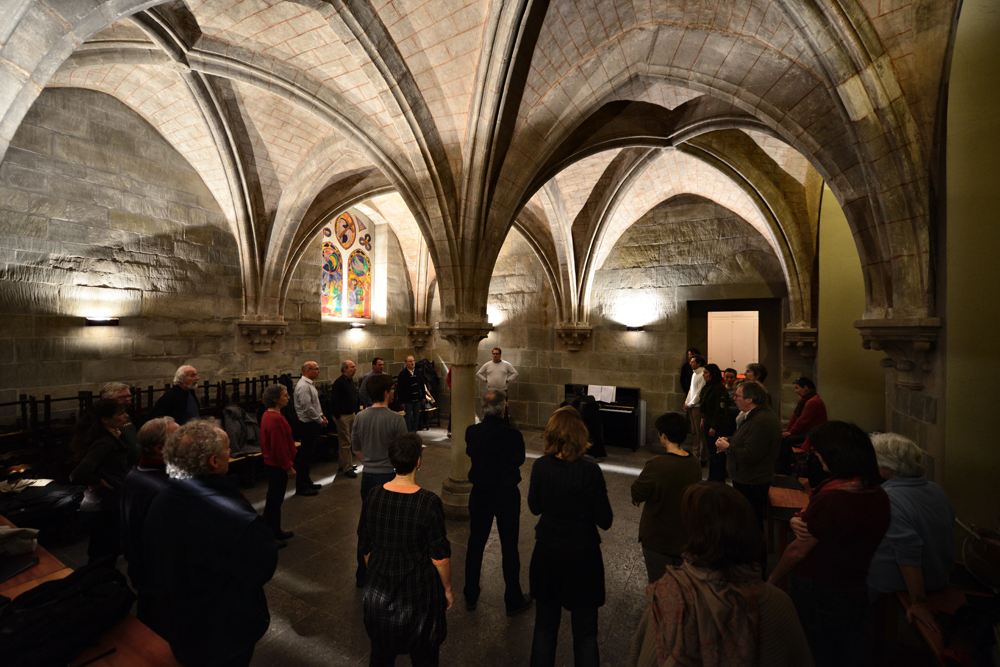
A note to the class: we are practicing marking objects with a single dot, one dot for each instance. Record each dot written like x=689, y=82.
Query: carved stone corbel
x=419, y=335
x=907, y=344
x=803, y=340
x=574, y=335
x=262, y=335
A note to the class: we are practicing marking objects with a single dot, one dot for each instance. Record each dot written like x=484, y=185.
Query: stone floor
x=316, y=616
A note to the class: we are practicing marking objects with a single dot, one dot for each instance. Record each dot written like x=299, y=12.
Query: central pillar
x=464, y=338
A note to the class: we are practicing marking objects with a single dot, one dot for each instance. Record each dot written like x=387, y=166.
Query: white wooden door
x=733, y=338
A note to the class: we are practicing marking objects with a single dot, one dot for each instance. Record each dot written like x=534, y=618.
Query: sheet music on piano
x=602, y=393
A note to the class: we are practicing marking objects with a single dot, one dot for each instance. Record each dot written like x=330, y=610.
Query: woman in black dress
x=102, y=466
x=402, y=535
x=567, y=569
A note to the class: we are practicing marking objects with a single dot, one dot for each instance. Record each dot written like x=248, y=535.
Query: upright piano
x=623, y=419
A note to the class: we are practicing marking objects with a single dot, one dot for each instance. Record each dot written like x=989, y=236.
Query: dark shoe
x=471, y=606
x=350, y=474
x=306, y=492
x=316, y=486
x=282, y=544
x=526, y=602
x=283, y=534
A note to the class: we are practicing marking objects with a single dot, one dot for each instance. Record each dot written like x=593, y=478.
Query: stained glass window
x=346, y=290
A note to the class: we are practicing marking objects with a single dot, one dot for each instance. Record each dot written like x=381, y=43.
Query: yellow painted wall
x=849, y=378
x=972, y=313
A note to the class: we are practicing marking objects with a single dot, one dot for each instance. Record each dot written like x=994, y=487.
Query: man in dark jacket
x=410, y=392
x=209, y=555
x=179, y=401
x=753, y=450
x=497, y=453
x=344, y=405
x=142, y=484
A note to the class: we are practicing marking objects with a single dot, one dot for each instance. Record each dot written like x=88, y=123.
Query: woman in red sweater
x=809, y=413
x=278, y=449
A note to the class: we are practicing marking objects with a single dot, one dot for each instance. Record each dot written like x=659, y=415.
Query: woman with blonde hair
x=567, y=570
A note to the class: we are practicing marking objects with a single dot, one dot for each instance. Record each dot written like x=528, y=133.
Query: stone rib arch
x=536, y=234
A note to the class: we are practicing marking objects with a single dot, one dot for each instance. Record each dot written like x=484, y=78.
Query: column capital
x=907, y=344
x=464, y=338
x=802, y=339
x=419, y=335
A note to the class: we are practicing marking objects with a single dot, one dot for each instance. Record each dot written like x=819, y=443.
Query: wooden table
x=47, y=565
x=134, y=643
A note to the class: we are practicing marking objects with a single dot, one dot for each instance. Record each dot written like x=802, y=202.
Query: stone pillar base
x=455, y=497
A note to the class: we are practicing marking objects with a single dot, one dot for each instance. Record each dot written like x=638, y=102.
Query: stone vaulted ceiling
x=455, y=120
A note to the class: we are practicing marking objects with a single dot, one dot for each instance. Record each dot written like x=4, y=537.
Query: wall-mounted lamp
x=634, y=328
x=357, y=325
x=102, y=321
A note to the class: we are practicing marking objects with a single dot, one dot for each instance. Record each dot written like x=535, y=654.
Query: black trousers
x=277, y=482
x=105, y=535
x=382, y=658
x=304, y=457
x=505, y=505
x=757, y=495
x=548, y=614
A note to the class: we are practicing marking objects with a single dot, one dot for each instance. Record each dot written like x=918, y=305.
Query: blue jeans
x=369, y=481
x=412, y=415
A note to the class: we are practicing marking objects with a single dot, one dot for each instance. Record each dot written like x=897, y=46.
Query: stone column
x=464, y=338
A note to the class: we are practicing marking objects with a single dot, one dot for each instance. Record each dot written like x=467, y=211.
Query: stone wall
x=99, y=215
x=687, y=241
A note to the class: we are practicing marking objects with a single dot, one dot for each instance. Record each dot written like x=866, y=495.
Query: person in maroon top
x=809, y=413
x=277, y=446
x=836, y=537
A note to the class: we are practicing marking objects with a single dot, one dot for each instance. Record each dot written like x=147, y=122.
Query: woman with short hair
x=402, y=536
x=567, y=570
x=917, y=553
x=714, y=609
x=839, y=531
x=660, y=486
x=102, y=464
x=277, y=447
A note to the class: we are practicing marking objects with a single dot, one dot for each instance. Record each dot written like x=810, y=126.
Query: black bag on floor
x=53, y=622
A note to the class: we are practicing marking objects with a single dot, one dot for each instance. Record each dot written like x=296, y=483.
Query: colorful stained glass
x=366, y=242
x=333, y=279
x=359, y=283
x=346, y=230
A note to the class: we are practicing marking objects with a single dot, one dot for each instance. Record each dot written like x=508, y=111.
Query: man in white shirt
x=497, y=374
x=692, y=402
x=310, y=413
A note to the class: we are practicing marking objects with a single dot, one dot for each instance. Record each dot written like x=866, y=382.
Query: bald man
x=310, y=413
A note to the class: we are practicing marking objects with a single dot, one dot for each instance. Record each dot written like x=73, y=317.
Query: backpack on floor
x=53, y=622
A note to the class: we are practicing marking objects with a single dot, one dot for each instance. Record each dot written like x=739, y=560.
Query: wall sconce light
x=102, y=321
x=357, y=325
x=634, y=328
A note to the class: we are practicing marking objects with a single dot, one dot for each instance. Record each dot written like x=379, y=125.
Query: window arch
x=346, y=288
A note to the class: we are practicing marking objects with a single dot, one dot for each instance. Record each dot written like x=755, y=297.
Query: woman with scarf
x=714, y=610
x=836, y=537
x=809, y=413
x=716, y=419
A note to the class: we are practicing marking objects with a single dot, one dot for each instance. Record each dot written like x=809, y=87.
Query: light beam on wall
x=494, y=315
x=633, y=308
